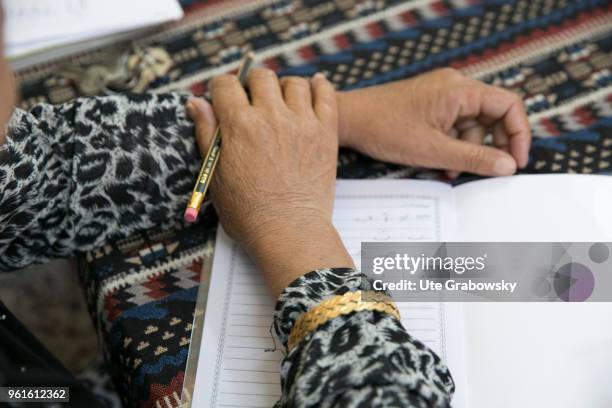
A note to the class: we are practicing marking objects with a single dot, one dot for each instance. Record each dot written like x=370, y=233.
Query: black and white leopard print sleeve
x=363, y=359
x=75, y=175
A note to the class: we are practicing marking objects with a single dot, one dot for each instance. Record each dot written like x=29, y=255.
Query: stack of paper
x=35, y=25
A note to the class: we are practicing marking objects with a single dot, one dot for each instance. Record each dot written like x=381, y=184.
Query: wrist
x=345, y=117
x=355, y=117
x=278, y=220
x=287, y=248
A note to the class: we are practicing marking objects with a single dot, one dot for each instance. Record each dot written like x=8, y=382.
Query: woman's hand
x=274, y=185
x=438, y=120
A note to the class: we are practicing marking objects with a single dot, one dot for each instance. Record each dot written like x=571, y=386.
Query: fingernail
x=189, y=105
x=525, y=163
x=452, y=174
x=208, y=111
x=505, y=166
x=203, y=106
x=525, y=158
x=319, y=75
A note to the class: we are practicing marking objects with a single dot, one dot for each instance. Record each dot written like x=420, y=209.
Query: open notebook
x=234, y=368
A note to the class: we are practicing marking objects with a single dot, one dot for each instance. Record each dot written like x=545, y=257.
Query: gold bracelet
x=340, y=305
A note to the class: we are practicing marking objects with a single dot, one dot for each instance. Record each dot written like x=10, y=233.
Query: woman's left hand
x=438, y=120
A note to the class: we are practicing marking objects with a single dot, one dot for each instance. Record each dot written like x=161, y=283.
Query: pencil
x=212, y=156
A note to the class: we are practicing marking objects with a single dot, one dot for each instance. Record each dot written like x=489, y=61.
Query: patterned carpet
x=557, y=54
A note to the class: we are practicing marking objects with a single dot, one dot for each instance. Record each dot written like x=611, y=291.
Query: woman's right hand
x=274, y=184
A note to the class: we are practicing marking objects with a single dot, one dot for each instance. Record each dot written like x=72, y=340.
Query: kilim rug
x=557, y=54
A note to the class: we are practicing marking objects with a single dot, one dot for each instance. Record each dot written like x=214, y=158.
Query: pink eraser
x=191, y=214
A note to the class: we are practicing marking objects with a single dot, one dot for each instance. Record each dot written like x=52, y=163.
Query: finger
x=473, y=134
x=499, y=105
x=460, y=156
x=204, y=120
x=500, y=137
x=451, y=174
x=297, y=93
x=324, y=101
x=228, y=96
x=517, y=127
x=264, y=87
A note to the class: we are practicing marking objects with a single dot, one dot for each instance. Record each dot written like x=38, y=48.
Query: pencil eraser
x=191, y=215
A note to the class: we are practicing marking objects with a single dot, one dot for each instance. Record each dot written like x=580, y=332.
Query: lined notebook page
x=236, y=368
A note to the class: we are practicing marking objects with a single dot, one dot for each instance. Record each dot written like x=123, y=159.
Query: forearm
x=78, y=174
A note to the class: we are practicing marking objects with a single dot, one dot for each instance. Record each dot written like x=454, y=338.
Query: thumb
x=459, y=155
x=205, y=122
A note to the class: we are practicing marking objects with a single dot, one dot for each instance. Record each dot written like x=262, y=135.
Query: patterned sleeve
x=75, y=175
x=363, y=359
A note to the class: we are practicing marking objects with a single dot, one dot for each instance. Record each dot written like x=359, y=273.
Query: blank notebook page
x=235, y=368
x=533, y=355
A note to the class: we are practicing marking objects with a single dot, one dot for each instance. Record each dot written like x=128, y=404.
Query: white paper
x=535, y=355
x=32, y=25
x=546, y=208
x=235, y=370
